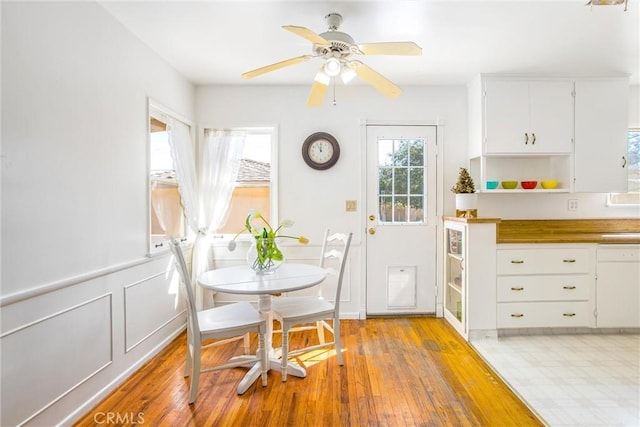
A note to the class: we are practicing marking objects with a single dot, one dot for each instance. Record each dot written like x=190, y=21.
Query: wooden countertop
x=618, y=231
x=471, y=220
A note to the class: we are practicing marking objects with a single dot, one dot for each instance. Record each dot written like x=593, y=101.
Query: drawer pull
x=570, y=288
x=517, y=289
x=569, y=261
x=517, y=315
x=569, y=314
x=517, y=261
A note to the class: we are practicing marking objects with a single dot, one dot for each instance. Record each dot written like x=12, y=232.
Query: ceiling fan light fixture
x=347, y=75
x=607, y=3
x=332, y=67
x=322, y=78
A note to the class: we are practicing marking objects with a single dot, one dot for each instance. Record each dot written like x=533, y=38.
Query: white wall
x=82, y=304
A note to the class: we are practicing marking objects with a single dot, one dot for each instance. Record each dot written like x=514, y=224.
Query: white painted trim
x=71, y=281
x=109, y=388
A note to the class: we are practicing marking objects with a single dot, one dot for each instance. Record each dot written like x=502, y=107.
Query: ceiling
x=214, y=42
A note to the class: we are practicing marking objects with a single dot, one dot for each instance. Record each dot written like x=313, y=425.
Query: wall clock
x=320, y=150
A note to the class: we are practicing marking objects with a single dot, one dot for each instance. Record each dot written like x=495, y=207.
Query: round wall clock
x=320, y=150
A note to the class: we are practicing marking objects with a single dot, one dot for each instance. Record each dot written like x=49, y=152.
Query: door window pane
x=400, y=187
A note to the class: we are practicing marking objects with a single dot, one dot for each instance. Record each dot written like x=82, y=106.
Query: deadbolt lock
x=372, y=217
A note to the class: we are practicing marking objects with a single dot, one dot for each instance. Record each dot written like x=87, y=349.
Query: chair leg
x=264, y=361
x=320, y=328
x=195, y=373
x=189, y=361
x=285, y=350
x=336, y=339
x=247, y=346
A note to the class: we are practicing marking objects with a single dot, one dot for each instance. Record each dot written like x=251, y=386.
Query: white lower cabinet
x=545, y=286
x=618, y=286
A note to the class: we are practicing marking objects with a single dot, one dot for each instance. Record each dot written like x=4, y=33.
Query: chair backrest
x=339, y=252
x=187, y=289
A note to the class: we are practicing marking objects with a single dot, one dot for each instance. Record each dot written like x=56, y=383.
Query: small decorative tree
x=466, y=200
x=465, y=183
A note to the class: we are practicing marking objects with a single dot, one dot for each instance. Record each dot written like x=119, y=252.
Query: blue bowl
x=491, y=185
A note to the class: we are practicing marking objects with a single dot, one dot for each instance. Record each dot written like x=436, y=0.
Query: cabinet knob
x=569, y=287
x=517, y=261
x=517, y=315
x=569, y=314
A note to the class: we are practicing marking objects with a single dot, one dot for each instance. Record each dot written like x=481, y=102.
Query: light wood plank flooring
x=398, y=372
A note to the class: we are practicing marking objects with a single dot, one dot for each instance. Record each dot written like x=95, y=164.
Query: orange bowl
x=528, y=185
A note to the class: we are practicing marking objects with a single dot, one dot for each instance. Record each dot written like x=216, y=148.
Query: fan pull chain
x=333, y=80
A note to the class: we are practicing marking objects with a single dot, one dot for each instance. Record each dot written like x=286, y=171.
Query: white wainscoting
x=64, y=350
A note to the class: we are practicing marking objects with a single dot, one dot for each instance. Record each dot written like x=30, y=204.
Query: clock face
x=320, y=151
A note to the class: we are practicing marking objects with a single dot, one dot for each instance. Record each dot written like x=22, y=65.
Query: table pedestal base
x=256, y=370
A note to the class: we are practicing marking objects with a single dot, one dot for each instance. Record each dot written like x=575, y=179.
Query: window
x=632, y=196
x=166, y=216
x=401, y=180
x=254, y=188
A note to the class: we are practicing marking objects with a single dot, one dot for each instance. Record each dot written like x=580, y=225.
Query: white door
x=401, y=219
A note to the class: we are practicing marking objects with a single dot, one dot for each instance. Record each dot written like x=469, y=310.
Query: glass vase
x=264, y=255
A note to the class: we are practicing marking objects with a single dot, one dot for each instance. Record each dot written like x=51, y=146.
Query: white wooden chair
x=300, y=310
x=228, y=322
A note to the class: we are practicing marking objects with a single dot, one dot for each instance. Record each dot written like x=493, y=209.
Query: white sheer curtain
x=207, y=190
x=219, y=164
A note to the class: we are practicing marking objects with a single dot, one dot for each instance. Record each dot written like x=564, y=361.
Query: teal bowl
x=492, y=185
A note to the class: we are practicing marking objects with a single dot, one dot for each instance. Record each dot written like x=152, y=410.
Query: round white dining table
x=244, y=281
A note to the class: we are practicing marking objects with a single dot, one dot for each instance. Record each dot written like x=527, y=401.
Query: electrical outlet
x=572, y=205
x=351, y=205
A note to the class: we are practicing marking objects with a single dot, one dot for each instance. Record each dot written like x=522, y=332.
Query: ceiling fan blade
x=276, y=66
x=375, y=79
x=307, y=34
x=318, y=89
x=390, y=48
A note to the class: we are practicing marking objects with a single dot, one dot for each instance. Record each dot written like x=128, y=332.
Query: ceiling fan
x=337, y=49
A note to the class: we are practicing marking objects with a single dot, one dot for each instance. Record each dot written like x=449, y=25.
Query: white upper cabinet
x=527, y=116
x=601, y=124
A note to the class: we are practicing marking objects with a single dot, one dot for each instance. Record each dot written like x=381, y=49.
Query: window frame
x=224, y=238
x=155, y=108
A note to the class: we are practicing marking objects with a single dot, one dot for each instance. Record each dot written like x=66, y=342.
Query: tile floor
x=571, y=380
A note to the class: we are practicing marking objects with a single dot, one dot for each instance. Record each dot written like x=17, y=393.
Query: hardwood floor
x=398, y=372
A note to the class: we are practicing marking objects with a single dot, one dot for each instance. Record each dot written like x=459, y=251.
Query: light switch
x=351, y=206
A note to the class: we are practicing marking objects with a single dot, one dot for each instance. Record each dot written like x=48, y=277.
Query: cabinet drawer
x=542, y=314
x=619, y=253
x=543, y=261
x=544, y=288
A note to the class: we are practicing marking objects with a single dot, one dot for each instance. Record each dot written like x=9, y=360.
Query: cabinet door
x=550, y=117
x=618, y=295
x=506, y=116
x=601, y=124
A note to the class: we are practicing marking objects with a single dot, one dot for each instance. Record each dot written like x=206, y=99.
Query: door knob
x=372, y=231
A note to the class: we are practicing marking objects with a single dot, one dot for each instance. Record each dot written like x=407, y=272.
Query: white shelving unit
x=469, y=298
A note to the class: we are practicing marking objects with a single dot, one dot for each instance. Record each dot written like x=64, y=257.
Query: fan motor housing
x=338, y=42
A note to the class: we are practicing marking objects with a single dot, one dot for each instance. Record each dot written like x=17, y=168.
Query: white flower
x=286, y=223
